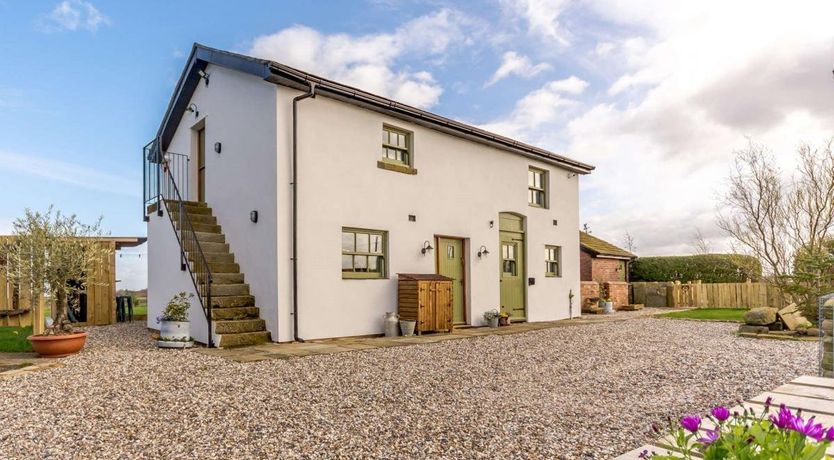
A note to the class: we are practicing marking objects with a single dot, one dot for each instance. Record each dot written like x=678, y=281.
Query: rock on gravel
x=584, y=392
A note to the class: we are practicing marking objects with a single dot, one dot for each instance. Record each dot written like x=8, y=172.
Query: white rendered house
x=295, y=201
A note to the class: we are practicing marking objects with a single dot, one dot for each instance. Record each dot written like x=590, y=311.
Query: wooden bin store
x=426, y=299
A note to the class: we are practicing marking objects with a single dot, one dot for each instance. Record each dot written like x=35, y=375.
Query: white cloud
x=688, y=83
x=541, y=17
x=513, y=63
x=68, y=173
x=374, y=62
x=75, y=15
x=542, y=107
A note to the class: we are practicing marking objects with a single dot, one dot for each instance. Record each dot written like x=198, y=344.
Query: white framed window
x=553, y=261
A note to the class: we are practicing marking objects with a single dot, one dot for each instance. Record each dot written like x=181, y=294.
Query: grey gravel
x=578, y=392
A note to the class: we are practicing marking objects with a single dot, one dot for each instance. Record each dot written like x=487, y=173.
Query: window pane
x=362, y=242
x=531, y=181
x=450, y=252
x=376, y=244
x=347, y=242
x=375, y=264
x=347, y=263
x=384, y=136
x=360, y=263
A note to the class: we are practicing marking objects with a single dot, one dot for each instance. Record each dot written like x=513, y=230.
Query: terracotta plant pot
x=58, y=346
x=504, y=321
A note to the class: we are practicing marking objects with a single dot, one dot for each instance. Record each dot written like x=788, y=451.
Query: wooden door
x=451, y=263
x=512, y=267
x=201, y=165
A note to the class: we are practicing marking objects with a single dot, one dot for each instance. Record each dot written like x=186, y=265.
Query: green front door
x=450, y=263
x=512, y=267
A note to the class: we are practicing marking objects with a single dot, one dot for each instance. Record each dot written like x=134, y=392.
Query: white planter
x=607, y=307
x=174, y=344
x=407, y=327
x=492, y=322
x=175, y=331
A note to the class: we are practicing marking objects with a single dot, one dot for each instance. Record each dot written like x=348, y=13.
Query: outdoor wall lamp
x=218, y=147
x=193, y=109
x=491, y=223
x=253, y=216
x=204, y=75
x=426, y=247
x=482, y=251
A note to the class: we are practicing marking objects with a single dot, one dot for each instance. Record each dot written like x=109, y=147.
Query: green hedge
x=709, y=268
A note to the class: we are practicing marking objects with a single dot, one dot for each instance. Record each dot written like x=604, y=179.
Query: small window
x=537, y=188
x=396, y=145
x=553, y=261
x=364, y=253
x=508, y=259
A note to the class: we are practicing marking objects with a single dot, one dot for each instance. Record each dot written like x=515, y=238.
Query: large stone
x=813, y=332
x=749, y=329
x=761, y=316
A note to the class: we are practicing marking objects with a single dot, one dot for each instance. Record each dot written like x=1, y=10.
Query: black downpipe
x=294, y=184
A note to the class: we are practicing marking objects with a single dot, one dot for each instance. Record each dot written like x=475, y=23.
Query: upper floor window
x=396, y=145
x=364, y=253
x=537, y=187
x=553, y=261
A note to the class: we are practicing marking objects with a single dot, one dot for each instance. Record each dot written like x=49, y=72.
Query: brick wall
x=585, y=263
x=603, y=270
x=618, y=291
x=588, y=290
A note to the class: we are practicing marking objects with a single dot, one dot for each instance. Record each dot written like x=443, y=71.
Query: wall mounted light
x=482, y=251
x=218, y=147
x=204, y=75
x=253, y=216
x=193, y=109
x=491, y=223
x=571, y=175
x=426, y=247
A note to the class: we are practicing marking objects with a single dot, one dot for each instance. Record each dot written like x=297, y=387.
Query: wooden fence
x=707, y=295
x=17, y=307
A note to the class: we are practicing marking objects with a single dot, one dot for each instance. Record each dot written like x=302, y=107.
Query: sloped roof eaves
x=286, y=75
x=602, y=248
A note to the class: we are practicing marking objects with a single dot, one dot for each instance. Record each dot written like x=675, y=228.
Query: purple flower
x=691, y=423
x=721, y=413
x=784, y=419
x=809, y=428
x=768, y=402
x=710, y=437
x=829, y=434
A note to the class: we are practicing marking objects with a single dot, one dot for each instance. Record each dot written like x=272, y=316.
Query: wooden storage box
x=426, y=299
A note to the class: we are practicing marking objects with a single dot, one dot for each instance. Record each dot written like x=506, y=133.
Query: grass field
x=715, y=314
x=13, y=339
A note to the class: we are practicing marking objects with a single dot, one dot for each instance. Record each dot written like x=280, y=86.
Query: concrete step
x=242, y=340
x=239, y=326
x=234, y=313
x=202, y=228
x=210, y=237
x=229, y=289
x=196, y=204
x=233, y=301
x=227, y=278
x=217, y=267
x=214, y=257
x=196, y=218
x=208, y=246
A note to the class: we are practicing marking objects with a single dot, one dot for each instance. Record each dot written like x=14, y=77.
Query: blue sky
x=657, y=94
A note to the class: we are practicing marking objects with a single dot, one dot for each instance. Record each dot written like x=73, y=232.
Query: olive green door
x=512, y=266
x=452, y=263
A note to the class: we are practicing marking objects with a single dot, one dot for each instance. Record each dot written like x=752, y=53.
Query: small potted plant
x=504, y=319
x=491, y=317
x=174, y=328
x=607, y=305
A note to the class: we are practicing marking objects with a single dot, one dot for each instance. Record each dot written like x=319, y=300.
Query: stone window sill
x=400, y=168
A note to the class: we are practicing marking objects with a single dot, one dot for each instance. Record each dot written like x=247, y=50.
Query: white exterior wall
x=460, y=187
x=239, y=111
x=165, y=279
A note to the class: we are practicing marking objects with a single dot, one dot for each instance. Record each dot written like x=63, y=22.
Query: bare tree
x=701, y=244
x=776, y=218
x=629, y=243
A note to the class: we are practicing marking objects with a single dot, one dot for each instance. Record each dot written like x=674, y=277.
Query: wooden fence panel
x=713, y=295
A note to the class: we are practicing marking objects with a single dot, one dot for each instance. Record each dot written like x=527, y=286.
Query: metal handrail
x=168, y=192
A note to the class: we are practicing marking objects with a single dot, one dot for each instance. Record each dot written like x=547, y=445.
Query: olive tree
x=52, y=253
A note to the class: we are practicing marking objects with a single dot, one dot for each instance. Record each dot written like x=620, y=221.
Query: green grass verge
x=13, y=339
x=714, y=314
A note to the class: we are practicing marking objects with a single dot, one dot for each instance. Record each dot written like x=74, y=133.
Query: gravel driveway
x=579, y=392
